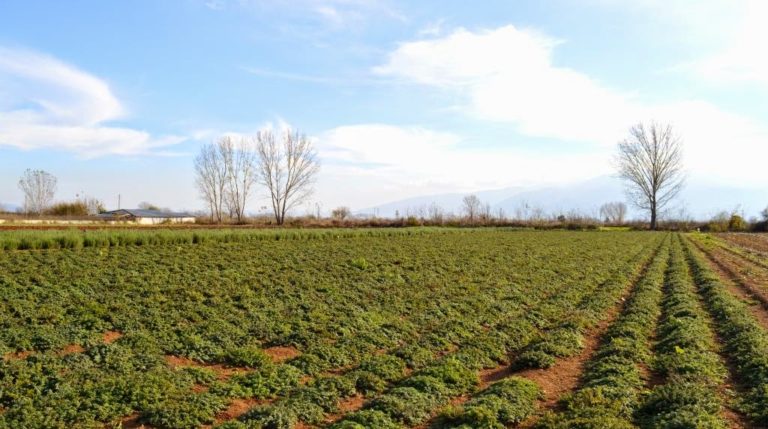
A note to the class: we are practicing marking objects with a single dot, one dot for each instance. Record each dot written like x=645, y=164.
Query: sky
x=400, y=98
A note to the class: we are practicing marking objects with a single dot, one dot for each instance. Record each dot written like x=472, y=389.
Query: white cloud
x=743, y=57
x=377, y=162
x=53, y=105
x=508, y=75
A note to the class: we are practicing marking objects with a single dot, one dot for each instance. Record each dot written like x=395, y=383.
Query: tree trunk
x=653, y=217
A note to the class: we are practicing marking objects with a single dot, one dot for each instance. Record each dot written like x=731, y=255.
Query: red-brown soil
x=71, y=349
x=347, y=405
x=222, y=372
x=132, y=422
x=110, y=337
x=281, y=353
x=18, y=355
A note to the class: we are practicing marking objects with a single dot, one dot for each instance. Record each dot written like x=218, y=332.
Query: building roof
x=144, y=213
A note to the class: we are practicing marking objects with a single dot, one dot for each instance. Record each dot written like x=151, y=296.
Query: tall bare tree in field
x=39, y=187
x=211, y=177
x=241, y=162
x=651, y=163
x=287, y=166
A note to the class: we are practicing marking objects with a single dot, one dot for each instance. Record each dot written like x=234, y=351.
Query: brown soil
x=281, y=353
x=132, y=422
x=237, y=408
x=18, y=355
x=222, y=372
x=565, y=374
x=199, y=388
x=347, y=405
x=71, y=349
x=747, y=284
x=651, y=377
x=754, y=242
x=110, y=337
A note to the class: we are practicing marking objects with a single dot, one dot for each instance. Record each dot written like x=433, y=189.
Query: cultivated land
x=400, y=328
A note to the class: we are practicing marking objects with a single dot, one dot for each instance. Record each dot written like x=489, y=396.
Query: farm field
x=400, y=328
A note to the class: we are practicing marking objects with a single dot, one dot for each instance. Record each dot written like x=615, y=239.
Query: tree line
x=285, y=165
x=229, y=170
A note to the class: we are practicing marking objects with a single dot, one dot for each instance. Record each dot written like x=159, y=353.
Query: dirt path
x=565, y=375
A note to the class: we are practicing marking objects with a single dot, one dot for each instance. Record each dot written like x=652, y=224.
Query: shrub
x=737, y=223
x=247, y=356
x=406, y=404
x=367, y=419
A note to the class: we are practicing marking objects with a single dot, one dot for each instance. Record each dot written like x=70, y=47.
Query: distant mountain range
x=699, y=200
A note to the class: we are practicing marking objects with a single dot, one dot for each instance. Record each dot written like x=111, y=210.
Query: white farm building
x=147, y=217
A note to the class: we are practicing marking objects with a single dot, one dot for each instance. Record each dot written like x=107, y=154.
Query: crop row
x=480, y=348
x=613, y=382
x=413, y=400
x=115, y=237
x=412, y=296
x=745, y=341
x=309, y=403
x=685, y=356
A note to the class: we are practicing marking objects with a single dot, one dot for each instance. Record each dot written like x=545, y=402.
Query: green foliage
x=612, y=383
x=247, y=356
x=737, y=223
x=745, y=340
x=504, y=403
x=685, y=354
x=415, y=325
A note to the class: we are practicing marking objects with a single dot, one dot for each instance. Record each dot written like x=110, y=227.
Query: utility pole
x=118, y=201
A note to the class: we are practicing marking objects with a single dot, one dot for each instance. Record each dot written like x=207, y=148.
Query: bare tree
x=613, y=212
x=471, y=205
x=340, y=213
x=39, y=187
x=501, y=215
x=651, y=162
x=241, y=162
x=211, y=176
x=436, y=213
x=287, y=168
x=485, y=213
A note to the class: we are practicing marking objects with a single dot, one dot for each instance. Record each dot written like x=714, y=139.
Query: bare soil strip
x=280, y=354
x=347, y=405
x=565, y=375
x=748, y=284
x=222, y=372
x=133, y=422
x=757, y=243
x=238, y=407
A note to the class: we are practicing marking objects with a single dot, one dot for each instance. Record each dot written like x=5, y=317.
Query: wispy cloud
x=53, y=105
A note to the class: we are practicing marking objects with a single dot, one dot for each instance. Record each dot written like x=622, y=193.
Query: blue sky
x=402, y=98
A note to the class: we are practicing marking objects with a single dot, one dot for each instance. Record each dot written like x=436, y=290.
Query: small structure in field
x=147, y=217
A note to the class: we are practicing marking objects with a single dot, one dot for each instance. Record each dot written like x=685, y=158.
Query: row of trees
x=228, y=171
